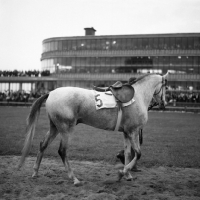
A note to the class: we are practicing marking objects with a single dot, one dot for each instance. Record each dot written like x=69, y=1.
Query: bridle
x=162, y=103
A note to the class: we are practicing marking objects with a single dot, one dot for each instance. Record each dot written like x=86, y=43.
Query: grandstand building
x=89, y=60
x=84, y=61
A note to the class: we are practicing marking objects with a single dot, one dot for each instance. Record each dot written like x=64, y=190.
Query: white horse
x=68, y=106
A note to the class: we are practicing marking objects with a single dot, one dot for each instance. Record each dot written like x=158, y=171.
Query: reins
x=153, y=105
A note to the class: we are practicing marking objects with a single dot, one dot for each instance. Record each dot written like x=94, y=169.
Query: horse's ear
x=166, y=75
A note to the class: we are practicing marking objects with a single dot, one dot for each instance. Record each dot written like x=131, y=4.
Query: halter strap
x=164, y=82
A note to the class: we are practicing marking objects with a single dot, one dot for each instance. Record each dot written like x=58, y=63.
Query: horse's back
x=70, y=93
x=70, y=97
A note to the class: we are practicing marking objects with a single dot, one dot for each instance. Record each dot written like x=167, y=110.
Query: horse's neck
x=146, y=89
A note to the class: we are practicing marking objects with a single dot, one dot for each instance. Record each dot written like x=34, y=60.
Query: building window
x=140, y=47
x=197, y=43
x=93, y=44
x=145, y=43
x=172, y=43
x=161, y=43
x=59, y=45
x=74, y=45
x=123, y=44
x=155, y=43
x=129, y=44
x=184, y=43
x=191, y=43
x=178, y=43
x=63, y=46
x=134, y=43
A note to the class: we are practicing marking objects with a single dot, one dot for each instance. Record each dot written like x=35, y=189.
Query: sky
x=24, y=24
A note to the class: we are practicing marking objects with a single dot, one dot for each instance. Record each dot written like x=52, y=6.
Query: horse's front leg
x=131, y=140
x=127, y=156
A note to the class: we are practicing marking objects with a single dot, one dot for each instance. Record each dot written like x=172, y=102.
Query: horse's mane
x=134, y=80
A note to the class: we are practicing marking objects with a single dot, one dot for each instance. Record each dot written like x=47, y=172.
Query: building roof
x=124, y=36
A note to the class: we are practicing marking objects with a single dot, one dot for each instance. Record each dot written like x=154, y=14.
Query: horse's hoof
x=35, y=174
x=120, y=175
x=77, y=183
x=128, y=177
x=18, y=167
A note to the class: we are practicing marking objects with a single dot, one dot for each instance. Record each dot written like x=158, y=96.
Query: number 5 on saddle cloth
x=122, y=92
x=118, y=94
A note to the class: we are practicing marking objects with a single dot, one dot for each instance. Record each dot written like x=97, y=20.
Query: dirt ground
x=98, y=182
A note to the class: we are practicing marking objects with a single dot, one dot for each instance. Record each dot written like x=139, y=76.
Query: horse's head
x=159, y=95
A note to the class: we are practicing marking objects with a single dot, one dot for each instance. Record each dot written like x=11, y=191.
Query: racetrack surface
x=99, y=181
x=170, y=162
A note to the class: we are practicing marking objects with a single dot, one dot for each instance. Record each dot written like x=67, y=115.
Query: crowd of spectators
x=19, y=96
x=23, y=96
x=191, y=97
x=29, y=73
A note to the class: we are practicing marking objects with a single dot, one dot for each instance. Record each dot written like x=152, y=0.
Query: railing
x=17, y=79
x=184, y=77
x=96, y=77
x=122, y=76
x=108, y=53
x=187, y=104
x=99, y=76
x=5, y=103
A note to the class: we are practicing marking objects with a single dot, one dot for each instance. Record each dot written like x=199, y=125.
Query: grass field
x=170, y=139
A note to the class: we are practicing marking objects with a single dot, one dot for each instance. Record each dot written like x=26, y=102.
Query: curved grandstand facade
x=89, y=60
x=99, y=60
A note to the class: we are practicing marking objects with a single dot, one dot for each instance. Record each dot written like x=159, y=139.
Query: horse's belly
x=104, y=119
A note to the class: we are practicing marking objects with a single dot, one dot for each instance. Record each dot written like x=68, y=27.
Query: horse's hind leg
x=63, y=154
x=49, y=137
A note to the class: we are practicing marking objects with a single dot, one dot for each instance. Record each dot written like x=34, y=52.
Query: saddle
x=122, y=92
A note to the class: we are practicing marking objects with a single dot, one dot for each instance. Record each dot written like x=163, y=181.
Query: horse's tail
x=30, y=129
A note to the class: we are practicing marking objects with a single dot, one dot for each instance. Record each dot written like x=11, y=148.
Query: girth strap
x=119, y=115
x=119, y=118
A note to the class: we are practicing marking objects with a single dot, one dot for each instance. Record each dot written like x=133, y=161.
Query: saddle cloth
x=107, y=100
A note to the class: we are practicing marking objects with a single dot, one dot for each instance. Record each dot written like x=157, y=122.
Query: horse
x=120, y=154
x=68, y=106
